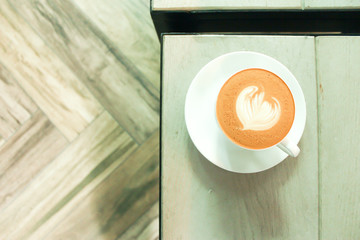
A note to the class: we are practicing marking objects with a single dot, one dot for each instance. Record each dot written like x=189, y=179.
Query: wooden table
x=314, y=196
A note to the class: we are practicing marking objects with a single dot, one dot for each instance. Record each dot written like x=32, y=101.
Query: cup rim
x=259, y=149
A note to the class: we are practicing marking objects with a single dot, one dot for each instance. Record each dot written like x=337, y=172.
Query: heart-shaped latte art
x=254, y=112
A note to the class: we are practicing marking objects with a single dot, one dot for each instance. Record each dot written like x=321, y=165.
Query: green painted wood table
x=313, y=196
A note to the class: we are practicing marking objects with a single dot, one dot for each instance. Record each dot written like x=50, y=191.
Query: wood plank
x=338, y=61
x=40, y=72
x=332, y=4
x=224, y=5
x=146, y=227
x=113, y=79
x=116, y=203
x=202, y=201
x=2, y=141
x=141, y=46
x=15, y=106
x=26, y=153
x=91, y=157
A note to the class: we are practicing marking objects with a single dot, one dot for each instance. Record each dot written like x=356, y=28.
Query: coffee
x=255, y=108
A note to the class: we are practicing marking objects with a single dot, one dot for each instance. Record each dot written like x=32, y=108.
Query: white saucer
x=200, y=115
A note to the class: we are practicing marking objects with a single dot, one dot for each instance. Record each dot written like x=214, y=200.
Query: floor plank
x=25, y=154
x=15, y=106
x=146, y=227
x=332, y=4
x=190, y=5
x=338, y=61
x=61, y=64
x=117, y=202
x=97, y=62
x=70, y=177
x=129, y=18
x=50, y=83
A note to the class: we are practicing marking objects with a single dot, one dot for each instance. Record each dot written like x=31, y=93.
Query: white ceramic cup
x=286, y=145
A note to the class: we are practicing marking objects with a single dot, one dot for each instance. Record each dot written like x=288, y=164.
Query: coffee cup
x=255, y=109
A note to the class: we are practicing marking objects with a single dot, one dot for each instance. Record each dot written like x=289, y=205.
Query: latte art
x=255, y=108
x=254, y=112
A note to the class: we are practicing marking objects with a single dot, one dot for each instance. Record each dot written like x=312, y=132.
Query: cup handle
x=289, y=147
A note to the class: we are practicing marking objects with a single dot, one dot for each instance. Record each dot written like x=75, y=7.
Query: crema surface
x=255, y=108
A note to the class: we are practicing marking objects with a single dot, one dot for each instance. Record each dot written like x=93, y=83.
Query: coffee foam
x=255, y=108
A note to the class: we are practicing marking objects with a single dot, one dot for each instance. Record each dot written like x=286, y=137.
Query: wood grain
x=53, y=87
x=333, y=4
x=224, y=4
x=70, y=73
x=117, y=202
x=70, y=177
x=146, y=227
x=140, y=47
x=32, y=147
x=201, y=201
x=97, y=62
x=15, y=106
x=338, y=59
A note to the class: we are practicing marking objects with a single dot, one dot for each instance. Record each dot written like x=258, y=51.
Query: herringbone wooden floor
x=79, y=110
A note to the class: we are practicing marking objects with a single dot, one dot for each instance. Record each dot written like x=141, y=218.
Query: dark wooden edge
x=160, y=142
x=312, y=22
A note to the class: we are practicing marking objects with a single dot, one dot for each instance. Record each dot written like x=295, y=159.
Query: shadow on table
x=245, y=205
